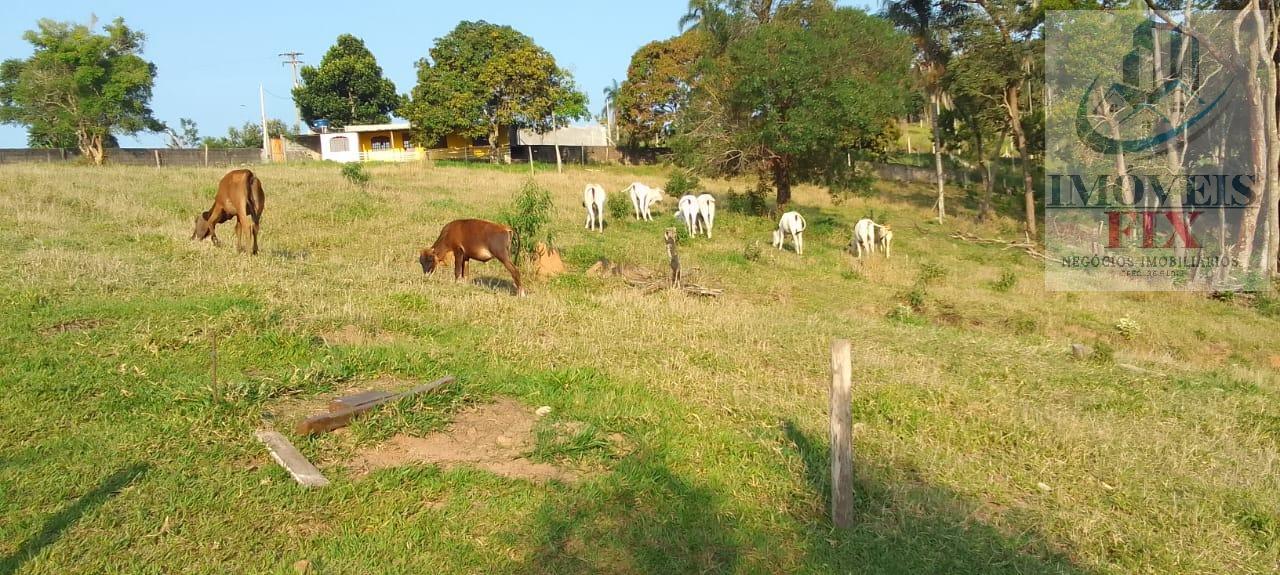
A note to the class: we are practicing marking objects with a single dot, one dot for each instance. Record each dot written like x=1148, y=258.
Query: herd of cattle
x=699, y=216
x=240, y=196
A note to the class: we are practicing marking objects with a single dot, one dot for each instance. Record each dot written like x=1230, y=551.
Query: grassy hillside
x=699, y=424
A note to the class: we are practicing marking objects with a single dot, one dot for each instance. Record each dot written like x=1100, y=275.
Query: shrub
x=1007, y=280
x=355, y=173
x=680, y=183
x=751, y=203
x=1128, y=328
x=619, y=206
x=931, y=272
x=529, y=216
x=751, y=251
x=915, y=298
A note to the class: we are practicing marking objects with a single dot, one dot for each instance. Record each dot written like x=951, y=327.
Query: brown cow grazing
x=478, y=240
x=239, y=196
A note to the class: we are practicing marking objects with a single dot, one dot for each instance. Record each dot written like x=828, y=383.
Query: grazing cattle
x=791, y=223
x=643, y=198
x=593, y=199
x=239, y=196
x=707, y=210
x=478, y=240
x=864, y=236
x=687, y=210
x=885, y=236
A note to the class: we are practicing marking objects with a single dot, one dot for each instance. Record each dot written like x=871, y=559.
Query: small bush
x=931, y=272
x=1007, y=280
x=1128, y=328
x=355, y=173
x=905, y=315
x=1266, y=305
x=751, y=251
x=751, y=203
x=530, y=215
x=681, y=183
x=1102, y=352
x=619, y=206
x=916, y=297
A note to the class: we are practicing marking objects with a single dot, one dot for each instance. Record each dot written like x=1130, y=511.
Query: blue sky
x=210, y=57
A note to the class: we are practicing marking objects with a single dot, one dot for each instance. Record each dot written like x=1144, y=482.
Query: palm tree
x=610, y=107
x=923, y=21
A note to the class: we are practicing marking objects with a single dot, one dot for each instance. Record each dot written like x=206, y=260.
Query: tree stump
x=675, y=257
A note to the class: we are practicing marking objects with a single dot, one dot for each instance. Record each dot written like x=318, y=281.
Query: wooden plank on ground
x=325, y=422
x=291, y=459
x=358, y=399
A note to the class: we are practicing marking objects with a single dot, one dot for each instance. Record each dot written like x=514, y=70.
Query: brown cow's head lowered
x=201, y=230
x=428, y=260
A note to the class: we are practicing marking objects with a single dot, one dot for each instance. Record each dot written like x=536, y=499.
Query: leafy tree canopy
x=789, y=97
x=347, y=87
x=658, y=84
x=79, y=86
x=481, y=78
x=249, y=135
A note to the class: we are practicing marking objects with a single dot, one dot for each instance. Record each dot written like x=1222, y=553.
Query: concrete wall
x=139, y=156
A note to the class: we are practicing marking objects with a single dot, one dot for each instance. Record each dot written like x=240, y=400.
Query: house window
x=339, y=144
x=380, y=143
x=408, y=143
x=480, y=141
x=441, y=142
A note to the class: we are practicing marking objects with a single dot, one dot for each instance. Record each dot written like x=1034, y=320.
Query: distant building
x=393, y=143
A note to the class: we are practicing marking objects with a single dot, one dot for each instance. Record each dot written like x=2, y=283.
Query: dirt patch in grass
x=352, y=335
x=496, y=437
x=80, y=324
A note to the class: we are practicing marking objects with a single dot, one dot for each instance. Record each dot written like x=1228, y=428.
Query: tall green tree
x=925, y=22
x=482, y=78
x=80, y=84
x=658, y=84
x=790, y=95
x=347, y=87
x=1018, y=52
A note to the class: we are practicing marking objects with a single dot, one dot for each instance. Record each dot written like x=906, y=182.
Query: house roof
x=375, y=127
x=567, y=136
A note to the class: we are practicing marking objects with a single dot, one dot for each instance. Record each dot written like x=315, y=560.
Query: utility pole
x=293, y=62
x=266, y=142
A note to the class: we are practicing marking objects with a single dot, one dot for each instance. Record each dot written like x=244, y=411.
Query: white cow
x=643, y=198
x=593, y=199
x=885, y=236
x=707, y=210
x=687, y=210
x=864, y=236
x=791, y=223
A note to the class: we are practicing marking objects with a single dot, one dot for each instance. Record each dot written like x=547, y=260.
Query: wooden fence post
x=841, y=435
x=157, y=153
x=206, y=155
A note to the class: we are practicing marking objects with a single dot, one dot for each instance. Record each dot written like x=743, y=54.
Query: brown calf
x=239, y=196
x=478, y=240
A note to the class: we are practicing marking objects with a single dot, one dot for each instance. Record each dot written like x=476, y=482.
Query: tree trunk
x=782, y=182
x=937, y=155
x=493, y=143
x=984, y=200
x=91, y=147
x=1020, y=138
x=1258, y=155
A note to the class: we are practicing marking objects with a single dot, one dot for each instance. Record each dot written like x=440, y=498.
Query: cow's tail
x=800, y=218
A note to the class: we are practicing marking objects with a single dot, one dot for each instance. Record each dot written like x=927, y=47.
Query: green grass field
x=981, y=446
